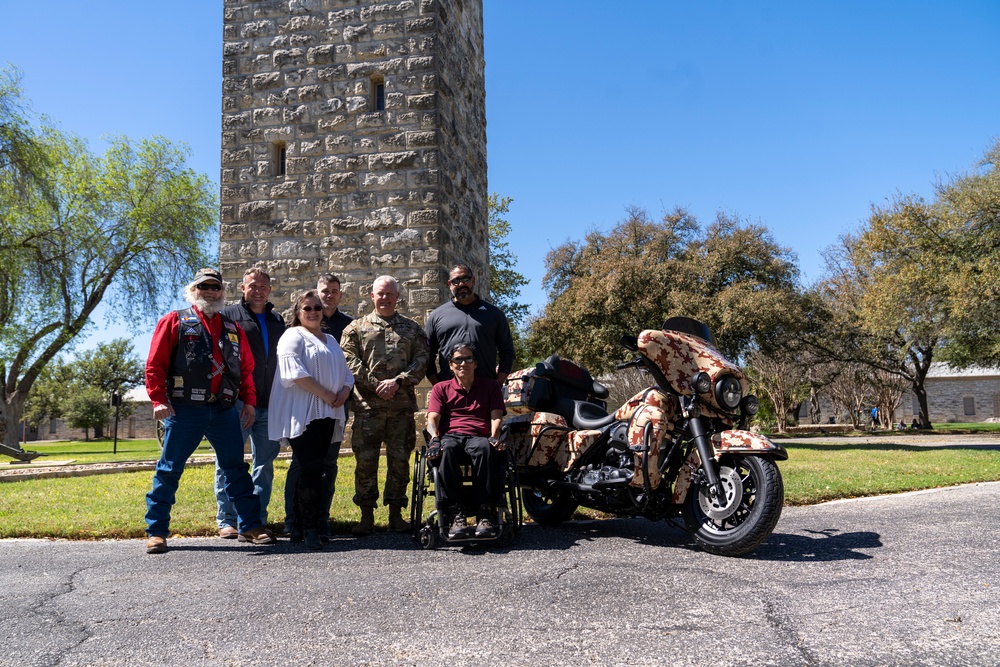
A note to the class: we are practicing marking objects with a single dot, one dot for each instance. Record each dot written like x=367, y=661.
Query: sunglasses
x=209, y=287
x=310, y=309
x=458, y=280
x=462, y=360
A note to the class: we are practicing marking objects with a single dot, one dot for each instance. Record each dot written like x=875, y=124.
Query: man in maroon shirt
x=199, y=363
x=463, y=419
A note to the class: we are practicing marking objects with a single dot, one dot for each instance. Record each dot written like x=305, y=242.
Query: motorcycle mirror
x=630, y=343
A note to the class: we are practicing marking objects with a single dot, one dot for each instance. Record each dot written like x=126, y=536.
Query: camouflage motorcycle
x=676, y=449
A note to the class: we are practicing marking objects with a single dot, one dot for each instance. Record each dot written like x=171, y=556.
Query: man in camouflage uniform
x=387, y=353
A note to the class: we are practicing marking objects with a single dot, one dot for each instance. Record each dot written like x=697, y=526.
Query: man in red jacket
x=199, y=364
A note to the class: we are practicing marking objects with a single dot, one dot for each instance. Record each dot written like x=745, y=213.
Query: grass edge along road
x=113, y=505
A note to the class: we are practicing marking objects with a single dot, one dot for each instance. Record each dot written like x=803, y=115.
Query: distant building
x=953, y=395
x=140, y=425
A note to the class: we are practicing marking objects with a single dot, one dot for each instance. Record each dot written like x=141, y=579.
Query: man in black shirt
x=334, y=320
x=467, y=318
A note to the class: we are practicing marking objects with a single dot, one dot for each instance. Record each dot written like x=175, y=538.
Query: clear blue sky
x=797, y=115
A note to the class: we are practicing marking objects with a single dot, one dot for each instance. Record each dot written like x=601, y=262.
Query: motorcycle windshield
x=690, y=326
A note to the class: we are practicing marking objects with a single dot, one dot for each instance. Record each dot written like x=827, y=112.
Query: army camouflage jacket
x=385, y=349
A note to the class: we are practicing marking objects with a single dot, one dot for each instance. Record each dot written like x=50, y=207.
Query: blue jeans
x=264, y=452
x=182, y=434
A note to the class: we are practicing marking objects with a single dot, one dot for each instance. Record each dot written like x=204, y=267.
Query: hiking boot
x=156, y=544
x=228, y=533
x=367, y=524
x=485, y=527
x=312, y=540
x=396, y=521
x=458, y=526
x=258, y=535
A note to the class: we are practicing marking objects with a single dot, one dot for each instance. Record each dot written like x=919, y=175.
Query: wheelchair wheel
x=515, y=503
x=427, y=537
x=419, y=494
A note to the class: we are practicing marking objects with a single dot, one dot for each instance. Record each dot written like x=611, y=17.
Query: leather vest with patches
x=194, y=366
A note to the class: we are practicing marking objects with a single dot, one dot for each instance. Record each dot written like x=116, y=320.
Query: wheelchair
x=432, y=529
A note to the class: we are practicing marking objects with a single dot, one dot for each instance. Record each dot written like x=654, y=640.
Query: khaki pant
x=397, y=430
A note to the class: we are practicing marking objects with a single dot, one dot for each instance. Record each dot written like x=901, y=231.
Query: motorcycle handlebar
x=629, y=364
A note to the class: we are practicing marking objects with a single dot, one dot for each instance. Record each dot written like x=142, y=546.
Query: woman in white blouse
x=307, y=402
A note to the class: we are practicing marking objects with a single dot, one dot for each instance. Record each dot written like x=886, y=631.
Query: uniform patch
x=178, y=382
x=230, y=326
x=233, y=338
x=190, y=331
x=190, y=319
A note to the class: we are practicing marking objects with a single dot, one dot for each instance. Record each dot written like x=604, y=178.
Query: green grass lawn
x=113, y=506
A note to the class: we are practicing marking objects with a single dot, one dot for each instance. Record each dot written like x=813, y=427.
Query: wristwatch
x=493, y=440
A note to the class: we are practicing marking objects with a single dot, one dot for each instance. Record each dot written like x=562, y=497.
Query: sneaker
x=156, y=544
x=458, y=526
x=485, y=527
x=258, y=535
x=228, y=533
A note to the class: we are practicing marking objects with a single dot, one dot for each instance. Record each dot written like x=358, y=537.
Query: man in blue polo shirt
x=463, y=418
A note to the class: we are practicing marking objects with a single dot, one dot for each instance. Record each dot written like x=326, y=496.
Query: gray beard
x=207, y=307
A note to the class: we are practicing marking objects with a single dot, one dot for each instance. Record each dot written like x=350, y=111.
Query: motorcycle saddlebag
x=525, y=392
x=536, y=439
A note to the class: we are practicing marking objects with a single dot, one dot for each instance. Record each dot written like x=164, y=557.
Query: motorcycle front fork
x=701, y=440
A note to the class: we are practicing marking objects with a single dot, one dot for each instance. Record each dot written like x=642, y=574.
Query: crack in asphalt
x=67, y=587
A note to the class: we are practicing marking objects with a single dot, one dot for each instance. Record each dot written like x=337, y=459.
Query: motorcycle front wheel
x=745, y=517
x=548, y=508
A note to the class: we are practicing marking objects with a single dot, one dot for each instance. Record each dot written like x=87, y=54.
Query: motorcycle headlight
x=750, y=405
x=702, y=383
x=729, y=392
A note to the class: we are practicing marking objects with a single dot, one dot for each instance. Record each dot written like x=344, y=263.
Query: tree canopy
x=731, y=275
x=921, y=280
x=124, y=228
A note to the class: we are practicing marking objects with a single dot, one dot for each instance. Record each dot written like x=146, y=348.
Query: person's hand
x=434, y=448
x=161, y=412
x=340, y=397
x=497, y=444
x=247, y=416
x=386, y=389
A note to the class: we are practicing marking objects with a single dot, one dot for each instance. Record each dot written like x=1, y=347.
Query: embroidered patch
x=178, y=381
x=190, y=331
x=230, y=326
x=190, y=319
x=233, y=338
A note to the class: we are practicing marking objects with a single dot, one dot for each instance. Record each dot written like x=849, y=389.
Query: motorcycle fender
x=746, y=442
x=732, y=442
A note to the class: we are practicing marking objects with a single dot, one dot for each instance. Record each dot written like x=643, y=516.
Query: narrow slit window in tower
x=378, y=94
x=280, y=155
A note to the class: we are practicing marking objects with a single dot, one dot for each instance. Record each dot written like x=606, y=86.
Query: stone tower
x=354, y=143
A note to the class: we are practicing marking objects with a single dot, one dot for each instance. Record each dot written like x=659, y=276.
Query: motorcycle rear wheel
x=749, y=521
x=548, y=508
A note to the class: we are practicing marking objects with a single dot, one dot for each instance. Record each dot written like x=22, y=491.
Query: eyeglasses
x=458, y=280
x=310, y=309
x=210, y=287
x=458, y=361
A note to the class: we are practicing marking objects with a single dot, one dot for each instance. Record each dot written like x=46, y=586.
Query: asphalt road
x=910, y=579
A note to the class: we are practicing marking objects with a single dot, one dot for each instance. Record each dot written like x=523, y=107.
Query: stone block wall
x=317, y=178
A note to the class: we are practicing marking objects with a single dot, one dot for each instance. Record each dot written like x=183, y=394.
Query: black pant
x=309, y=450
x=487, y=471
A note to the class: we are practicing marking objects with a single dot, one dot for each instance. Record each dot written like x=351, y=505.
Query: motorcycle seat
x=583, y=414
